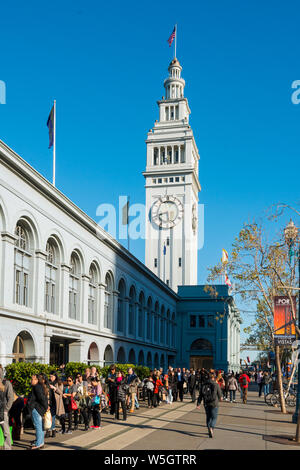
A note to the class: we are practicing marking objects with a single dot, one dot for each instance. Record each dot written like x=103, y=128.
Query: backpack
x=209, y=393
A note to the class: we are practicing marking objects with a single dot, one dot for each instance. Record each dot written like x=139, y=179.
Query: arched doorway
x=121, y=356
x=108, y=356
x=23, y=348
x=141, y=359
x=201, y=354
x=93, y=354
x=131, y=357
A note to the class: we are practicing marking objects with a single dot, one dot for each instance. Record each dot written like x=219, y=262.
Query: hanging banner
x=284, y=326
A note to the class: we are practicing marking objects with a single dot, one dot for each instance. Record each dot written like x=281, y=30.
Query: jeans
x=6, y=432
x=53, y=423
x=211, y=416
x=232, y=394
x=266, y=389
x=38, y=424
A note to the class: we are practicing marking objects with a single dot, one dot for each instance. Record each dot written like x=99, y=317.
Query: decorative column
x=46, y=354
x=64, y=303
x=38, y=294
x=85, y=281
x=101, y=308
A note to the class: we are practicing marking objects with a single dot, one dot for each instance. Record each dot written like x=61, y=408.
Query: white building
x=69, y=291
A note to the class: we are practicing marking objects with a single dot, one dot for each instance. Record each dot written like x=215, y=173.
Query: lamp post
x=291, y=235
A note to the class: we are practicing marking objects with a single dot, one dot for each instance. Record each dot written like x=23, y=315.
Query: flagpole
x=54, y=141
x=175, y=41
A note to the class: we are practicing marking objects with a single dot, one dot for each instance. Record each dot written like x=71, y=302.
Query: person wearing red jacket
x=157, y=384
x=243, y=381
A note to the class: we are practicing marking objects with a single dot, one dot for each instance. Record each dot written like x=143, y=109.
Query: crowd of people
x=68, y=401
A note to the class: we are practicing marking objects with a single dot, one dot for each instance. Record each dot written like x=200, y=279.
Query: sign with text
x=284, y=325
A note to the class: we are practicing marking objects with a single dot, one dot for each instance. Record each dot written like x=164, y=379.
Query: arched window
x=121, y=307
x=92, y=299
x=74, y=286
x=121, y=356
x=131, y=357
x=141, y=359
x=108, y=356
x=149, y=360
x=23, y=264
x=108, y=303
x=141, y=315
x=132, y=308
x=51, y=277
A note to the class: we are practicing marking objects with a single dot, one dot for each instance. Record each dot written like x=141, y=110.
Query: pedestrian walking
x=259, y=382
x=112, y=390
x=38, y=405
x=210, y=393
x=192, y=381
x=56, y=384
x=232, y=387
x=266, y=382
x=95, y=394
x=121, y=390
x=8, y=402
x=244, y=381
x=70, y=404
x=149, y=386
x=132, y=381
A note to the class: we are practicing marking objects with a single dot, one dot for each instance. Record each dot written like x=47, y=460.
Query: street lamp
x=291, y=235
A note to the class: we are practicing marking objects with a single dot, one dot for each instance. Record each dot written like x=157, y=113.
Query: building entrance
x=59, y=351
x=197, y=362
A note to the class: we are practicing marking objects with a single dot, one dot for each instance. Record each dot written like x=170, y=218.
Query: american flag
x=171, y=38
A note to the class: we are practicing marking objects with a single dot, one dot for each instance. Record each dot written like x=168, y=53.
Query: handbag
x=47, y=420
x=96, y=400
x=73, y=405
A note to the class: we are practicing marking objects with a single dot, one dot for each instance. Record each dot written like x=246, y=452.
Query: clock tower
x=172, y=187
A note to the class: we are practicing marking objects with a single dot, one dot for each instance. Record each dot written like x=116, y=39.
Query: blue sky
x=105, y=62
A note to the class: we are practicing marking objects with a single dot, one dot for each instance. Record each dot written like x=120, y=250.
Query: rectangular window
x=210, y=321
x=171, y=180
x=155, y=262
x=168, y=282
x=159, y=180
x=201, y=321
x=18, y=301
x=25, y=290
x=179, y=262
x=168, y=241
x=177, y=179
x=192, y=321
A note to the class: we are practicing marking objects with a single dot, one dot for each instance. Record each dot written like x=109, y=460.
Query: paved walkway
x=181, y=426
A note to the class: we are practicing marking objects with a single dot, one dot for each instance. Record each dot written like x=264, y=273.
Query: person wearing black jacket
x=38, y=404
x=192, y=380
x=121, y=391
x=112, y=388
x=210, y=393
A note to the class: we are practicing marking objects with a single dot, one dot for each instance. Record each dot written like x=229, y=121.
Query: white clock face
x=166, y=212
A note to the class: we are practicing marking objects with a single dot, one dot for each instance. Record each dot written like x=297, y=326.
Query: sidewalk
x=181, y=426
